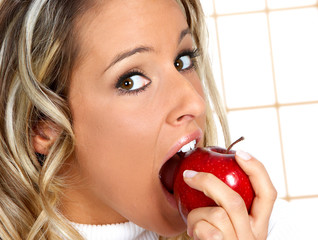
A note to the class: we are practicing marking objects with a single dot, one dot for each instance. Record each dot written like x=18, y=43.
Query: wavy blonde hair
x=37, y=53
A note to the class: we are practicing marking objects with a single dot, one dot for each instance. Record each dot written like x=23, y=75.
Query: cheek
x=112, y=142
x=115, y=150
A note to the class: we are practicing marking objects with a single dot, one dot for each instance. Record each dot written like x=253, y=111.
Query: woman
x=95, y=97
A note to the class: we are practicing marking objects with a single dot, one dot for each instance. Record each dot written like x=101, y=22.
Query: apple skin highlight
x=221, y=163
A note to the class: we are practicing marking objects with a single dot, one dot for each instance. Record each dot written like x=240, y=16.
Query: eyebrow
x=183, y=34
x=129, y=53
x=141, y=49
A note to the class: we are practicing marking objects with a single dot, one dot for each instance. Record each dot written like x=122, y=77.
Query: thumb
x=265, y=192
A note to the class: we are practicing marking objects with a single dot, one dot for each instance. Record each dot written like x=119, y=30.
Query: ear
x=44, y=136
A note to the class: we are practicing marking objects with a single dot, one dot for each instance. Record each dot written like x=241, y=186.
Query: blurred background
x=265, y=62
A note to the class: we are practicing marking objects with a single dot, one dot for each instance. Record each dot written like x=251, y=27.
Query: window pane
x=233, y=6
x=307, y=206
x=260, y=129
x=246, y=61
x=304, y=213
x=295, y=50
x=289, y=3
x=300, y=141
x=214, y=53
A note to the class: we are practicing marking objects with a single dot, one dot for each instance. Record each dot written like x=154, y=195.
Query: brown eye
x=178, y=64
x=132, y=82
x=183, y=63
x=127, y=84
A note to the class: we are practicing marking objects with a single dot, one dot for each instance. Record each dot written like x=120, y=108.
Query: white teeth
x=188, y=147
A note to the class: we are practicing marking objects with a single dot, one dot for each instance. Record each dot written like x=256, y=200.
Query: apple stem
x=229, y=148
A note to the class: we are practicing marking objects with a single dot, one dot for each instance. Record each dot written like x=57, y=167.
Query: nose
x=186, y=101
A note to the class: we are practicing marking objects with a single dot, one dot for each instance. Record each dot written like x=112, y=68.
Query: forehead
x=131, y=11
x=129, y=22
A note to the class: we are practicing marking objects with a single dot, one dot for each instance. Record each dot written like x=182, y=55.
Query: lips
x=175, y=155
x=167, y=171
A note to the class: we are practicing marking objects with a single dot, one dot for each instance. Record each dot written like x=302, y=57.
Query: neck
x=77, y=207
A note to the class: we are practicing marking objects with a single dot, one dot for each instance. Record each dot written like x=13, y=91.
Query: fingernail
x=243, y=155
x=188, y=233
x=189, y=173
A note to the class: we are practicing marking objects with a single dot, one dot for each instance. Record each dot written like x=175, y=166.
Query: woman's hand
x=230, y=220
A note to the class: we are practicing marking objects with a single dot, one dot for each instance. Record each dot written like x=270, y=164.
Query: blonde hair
x=37, y=55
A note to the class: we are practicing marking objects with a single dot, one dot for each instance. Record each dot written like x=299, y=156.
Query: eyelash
x=129, y=74
x=192, y=53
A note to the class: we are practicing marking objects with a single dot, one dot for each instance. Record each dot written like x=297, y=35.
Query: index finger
x=226, y=198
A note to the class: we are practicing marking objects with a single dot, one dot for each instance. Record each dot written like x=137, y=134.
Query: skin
x=122, y=138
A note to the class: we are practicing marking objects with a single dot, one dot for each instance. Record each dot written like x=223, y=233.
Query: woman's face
x=136, y=99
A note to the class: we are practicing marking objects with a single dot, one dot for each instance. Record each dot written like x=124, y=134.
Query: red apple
x=221, y=163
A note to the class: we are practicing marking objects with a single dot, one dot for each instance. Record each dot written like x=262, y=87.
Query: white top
x=120, y=231
x=283, y=225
